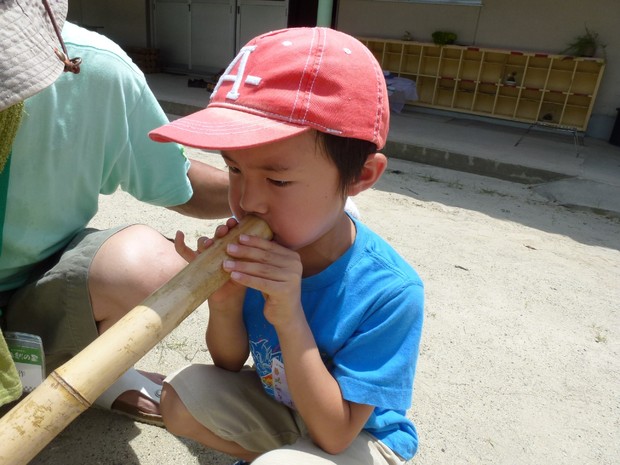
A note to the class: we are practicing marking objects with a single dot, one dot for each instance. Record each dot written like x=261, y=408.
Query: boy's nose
x=252, y=201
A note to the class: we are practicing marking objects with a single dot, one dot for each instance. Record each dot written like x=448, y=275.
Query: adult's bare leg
x=128, y=267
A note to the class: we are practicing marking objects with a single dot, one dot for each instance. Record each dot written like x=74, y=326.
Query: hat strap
x=71, y=64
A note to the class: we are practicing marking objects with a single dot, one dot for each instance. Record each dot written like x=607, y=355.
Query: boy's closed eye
x=279, y=183
x=275, y=182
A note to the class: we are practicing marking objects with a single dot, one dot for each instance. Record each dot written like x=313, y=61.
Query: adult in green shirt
x=66, y=138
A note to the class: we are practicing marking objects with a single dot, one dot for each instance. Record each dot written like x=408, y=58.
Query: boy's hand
x=273, y=270
x=184, y=251
x=230, y=288
x=203, y=243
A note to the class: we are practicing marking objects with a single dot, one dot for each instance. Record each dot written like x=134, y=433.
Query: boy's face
x=290, y=184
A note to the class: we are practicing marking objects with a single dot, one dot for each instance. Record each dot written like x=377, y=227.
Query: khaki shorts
x=56, y=305
x=236, y=408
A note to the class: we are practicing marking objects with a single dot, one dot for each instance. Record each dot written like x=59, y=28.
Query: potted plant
x=443, y=37
x=584, y=45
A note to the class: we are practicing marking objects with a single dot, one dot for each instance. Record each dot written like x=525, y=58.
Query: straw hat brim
x=27, y=40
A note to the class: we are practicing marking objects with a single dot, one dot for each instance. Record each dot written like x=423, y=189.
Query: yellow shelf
x=556, y=90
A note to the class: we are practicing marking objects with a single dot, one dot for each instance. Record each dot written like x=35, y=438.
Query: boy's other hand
x=202, y=243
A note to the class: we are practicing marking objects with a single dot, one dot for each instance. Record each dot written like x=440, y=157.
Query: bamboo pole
x=72, y=388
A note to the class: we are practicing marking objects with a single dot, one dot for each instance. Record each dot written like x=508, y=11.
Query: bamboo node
x=70, y=390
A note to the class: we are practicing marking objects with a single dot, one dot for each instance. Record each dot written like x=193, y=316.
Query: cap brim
x=218, y=128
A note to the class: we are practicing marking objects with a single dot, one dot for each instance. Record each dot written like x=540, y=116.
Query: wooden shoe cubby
x=529, y=87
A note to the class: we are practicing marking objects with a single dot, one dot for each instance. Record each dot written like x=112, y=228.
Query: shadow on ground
x=99, y=437
x=499, y=199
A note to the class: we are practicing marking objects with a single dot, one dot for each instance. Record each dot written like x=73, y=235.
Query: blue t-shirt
x=365, y=312
x=85, y=135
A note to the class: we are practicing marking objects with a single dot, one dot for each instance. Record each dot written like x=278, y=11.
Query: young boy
x=330, y=313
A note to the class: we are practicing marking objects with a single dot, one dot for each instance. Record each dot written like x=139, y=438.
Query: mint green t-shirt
x=85, y=135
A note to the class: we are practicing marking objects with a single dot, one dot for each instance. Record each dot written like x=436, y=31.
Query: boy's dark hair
x=349, y=156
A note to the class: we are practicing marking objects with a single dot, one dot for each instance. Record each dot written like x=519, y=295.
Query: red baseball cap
x=284, y=83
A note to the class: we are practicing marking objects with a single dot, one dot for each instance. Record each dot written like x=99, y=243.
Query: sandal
x=132, y=380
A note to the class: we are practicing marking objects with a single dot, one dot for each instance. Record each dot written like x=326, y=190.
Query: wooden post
x=72, y=388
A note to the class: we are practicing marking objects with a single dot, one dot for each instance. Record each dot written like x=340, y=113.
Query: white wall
x=532, y=25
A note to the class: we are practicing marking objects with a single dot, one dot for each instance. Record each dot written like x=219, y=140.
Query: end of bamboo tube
x=255, y=226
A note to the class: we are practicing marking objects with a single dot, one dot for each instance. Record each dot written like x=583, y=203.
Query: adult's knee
x=138, y=248
x=130, y=265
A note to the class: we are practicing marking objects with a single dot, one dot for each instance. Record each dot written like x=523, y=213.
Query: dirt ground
x=520, y=357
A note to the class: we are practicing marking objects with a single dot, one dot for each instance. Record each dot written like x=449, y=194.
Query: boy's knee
x=280, y=457
x=172, y=410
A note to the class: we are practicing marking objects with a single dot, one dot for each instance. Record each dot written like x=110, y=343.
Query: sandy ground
x=520, y=357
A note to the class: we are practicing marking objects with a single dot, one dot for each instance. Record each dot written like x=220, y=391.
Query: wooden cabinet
x=554, y=90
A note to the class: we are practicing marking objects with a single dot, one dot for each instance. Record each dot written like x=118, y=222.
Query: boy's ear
x=371, y=172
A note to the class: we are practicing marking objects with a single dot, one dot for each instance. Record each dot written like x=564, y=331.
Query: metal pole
x=324, y=13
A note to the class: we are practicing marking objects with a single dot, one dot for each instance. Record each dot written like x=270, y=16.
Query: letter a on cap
x=242, y=59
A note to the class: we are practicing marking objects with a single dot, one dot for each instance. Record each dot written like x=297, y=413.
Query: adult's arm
x=210, y=197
